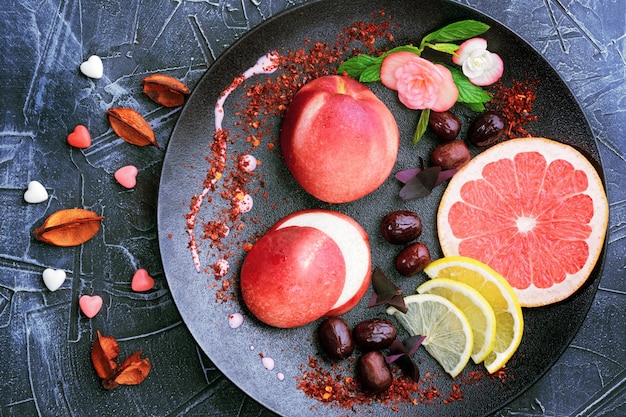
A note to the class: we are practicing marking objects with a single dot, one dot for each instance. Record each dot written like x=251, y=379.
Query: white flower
x=479, y=65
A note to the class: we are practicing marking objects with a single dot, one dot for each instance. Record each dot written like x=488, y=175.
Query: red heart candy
x=126, y=176
x=142, y=281
x=90, y=305
x=80, y=137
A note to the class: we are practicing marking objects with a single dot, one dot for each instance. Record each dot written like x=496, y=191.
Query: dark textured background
x=45, y=368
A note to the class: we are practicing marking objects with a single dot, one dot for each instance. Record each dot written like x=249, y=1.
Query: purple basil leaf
x=445, y=175
x=397, y=347
x=412, y=343
x=422, y=184
x=386, y=292
x=397, y=301
x=399, y=355
x=407, y=174
x=409, y=368
x=392, y=358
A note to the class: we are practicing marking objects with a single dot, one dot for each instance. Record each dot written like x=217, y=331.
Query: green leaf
x=468, y=92
x=422, y=124
x=403, y=48
x=366, y=68
x=355, y=66
x=371, y=74
x=477, y=107
x=458, y=31
x=448, y=48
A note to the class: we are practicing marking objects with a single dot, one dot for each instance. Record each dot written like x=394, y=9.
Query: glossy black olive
x=373, y=373
x=335, y=337
x=412, y=259
x=401, y=226
x=450, y=155
x=487, y=129
x=445, y=125
x=374, y=334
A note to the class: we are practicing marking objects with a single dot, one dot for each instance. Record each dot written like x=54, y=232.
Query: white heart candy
x=92, y=68
x=53, y=278
x=36, y=193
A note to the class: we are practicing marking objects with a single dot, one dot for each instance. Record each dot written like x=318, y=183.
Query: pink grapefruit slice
x=534, y=210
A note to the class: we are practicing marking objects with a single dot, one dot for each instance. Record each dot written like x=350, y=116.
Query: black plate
x=236, y=353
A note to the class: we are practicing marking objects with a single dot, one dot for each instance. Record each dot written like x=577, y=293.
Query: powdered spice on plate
x=515, y=102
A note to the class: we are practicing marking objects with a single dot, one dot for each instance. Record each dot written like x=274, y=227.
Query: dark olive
x=401, y=226
x=450, y=155
x=445, y=125
x=487, y=129
x=335, y=338
x=373, y=373
x=412, y=259
x=374, y=334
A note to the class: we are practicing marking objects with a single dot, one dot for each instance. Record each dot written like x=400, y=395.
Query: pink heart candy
x=142, y=281
x=90, y=305
x=126, y=176
x=79, y=138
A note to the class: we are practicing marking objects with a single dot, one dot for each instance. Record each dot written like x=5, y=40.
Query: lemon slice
x=478, y=311
x=498, y=292
x=448, y=333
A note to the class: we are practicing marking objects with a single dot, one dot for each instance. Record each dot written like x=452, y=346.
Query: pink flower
x=420, y=83
x=479, y=65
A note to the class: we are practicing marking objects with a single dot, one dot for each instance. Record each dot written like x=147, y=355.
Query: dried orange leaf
x=165, y=90
x=104, y=356
x=131, y=126
x=134, y=370
x=69, y=227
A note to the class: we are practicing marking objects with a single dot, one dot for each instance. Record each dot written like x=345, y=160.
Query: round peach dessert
x=340, y=142
x=310, y=264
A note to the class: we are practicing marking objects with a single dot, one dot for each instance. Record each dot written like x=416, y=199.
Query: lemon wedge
x=498, y=293
x=449, y=337
x=478, y=311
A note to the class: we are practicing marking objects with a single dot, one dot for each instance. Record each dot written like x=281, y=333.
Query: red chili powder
x=333, y=385
x=515, y=102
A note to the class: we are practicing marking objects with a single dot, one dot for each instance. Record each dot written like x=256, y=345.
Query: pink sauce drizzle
x=267, y=64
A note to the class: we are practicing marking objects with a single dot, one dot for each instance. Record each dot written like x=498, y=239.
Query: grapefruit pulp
x=534, y=210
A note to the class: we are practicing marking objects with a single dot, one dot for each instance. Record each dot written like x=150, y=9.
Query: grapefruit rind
x=532, y=295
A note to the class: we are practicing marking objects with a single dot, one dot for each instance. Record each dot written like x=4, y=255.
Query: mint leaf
x=468, y=92
x=366, y=68
x=404, y=48
x=476, y=107
x=448, y=48
x=371, y=74
x=458, y=31
x=355, y=66
x=422, y=124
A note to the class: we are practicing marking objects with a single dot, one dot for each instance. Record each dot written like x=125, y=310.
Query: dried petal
x=165, y=90
x=131, y=126
x=104, y=356
x=69, y=227
x=134, y=370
